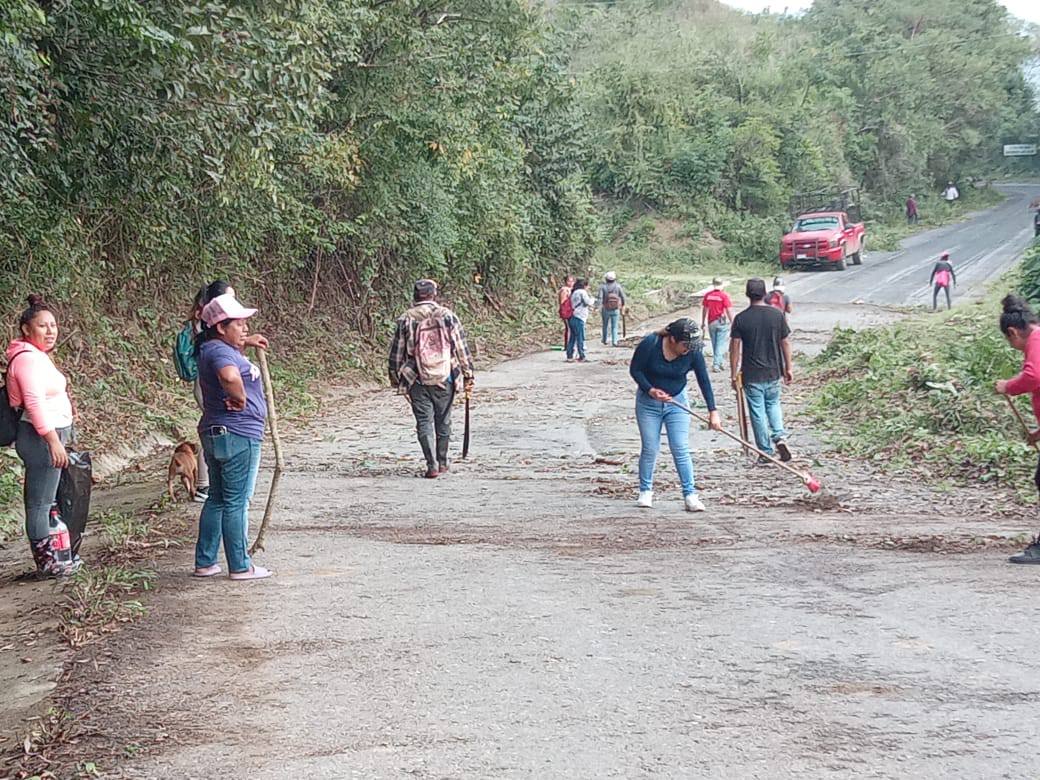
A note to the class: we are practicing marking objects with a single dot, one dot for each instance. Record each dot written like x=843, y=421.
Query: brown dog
x=183, y=464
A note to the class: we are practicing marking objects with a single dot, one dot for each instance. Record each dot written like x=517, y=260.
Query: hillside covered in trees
x=323, y=153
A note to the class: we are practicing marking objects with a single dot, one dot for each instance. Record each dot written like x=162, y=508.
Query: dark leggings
x=41, y=478
x=935, y=296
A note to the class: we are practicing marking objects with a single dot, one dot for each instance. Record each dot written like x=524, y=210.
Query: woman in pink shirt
x=1021, y=327
x=39, y=389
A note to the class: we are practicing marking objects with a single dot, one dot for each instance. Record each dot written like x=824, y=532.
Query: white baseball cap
x=224, y=307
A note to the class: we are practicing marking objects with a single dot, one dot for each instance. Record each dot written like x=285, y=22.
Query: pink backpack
x=433, y=349
x=942, y=278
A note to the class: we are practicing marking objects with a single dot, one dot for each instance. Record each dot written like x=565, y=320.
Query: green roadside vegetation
x=322, y=155
x=917, y=396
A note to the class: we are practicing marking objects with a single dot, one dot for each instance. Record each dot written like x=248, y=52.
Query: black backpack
x=9, y=417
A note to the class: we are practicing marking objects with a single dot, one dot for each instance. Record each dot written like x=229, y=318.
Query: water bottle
x=61, y=546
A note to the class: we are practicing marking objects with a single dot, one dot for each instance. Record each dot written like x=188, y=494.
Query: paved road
x=521, y=618
x=981, y=248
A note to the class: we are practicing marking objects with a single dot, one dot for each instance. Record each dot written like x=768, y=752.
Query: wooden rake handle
x=1021, y=420
x=806, y=478
x=272, y=421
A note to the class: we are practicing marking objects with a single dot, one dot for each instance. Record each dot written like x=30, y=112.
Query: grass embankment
x=917, y=397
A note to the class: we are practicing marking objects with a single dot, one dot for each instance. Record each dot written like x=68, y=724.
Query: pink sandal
x=206, y=571
x=254, y=573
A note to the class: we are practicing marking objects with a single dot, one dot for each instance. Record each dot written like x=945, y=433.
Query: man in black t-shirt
x=761, y=353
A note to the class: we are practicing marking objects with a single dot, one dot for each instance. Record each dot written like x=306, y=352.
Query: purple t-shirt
x=213, y=356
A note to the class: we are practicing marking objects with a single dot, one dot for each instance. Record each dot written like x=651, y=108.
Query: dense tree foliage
x=356, y=144
x=327, y=151
x=689, y=100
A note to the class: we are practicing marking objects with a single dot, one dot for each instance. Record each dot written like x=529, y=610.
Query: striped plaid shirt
x=404, y=371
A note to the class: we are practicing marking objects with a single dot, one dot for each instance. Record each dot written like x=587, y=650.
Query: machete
x=465, y=435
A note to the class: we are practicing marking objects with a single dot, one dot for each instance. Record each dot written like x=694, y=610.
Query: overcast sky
x=1024, y=9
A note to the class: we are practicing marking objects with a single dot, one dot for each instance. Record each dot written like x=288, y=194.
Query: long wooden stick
x=1018, y=414
x=810, y=481
x=742, y=420
x=272, y=421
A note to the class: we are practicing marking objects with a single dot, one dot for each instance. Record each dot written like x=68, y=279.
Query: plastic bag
x=73, y=498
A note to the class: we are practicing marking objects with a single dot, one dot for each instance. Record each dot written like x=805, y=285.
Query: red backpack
x=566, y=308
x=942, y=277
x=776, y=299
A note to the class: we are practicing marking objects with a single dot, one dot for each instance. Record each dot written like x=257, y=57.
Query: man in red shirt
x=716, y=315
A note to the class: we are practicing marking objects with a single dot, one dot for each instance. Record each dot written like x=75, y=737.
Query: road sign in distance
x=1019, y=150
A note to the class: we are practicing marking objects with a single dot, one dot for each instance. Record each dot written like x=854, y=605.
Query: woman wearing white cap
x=231, y=429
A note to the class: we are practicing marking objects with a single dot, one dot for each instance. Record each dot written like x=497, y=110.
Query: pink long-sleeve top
x=35, y=385
x=1028, y=379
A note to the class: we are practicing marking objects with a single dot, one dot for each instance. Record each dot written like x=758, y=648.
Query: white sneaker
x=693, y=503
x=646, y=499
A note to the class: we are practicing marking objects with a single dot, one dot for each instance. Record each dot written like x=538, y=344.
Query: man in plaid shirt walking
x=427, y=356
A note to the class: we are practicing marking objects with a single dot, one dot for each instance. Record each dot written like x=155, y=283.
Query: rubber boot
x=46, y=565
x=1029, y=555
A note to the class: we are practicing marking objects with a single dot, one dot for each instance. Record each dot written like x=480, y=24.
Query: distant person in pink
x=941, y=279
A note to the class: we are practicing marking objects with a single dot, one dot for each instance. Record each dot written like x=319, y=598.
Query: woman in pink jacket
x=35, y=385
x=1021, y=327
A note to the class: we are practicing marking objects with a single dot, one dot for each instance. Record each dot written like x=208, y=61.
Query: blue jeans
x=233, y=463
x=651, y=415
x=577, y=338
x=610, y=323
x=767, y=418
x=719, y=332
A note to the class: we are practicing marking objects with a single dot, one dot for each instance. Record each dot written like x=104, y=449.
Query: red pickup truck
x=823, y=238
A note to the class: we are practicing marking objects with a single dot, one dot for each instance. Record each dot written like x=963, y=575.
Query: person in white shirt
x=581, y=301
x=950, y=193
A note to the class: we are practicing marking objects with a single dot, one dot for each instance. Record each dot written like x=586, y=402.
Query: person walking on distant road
x=761, y=353
x=778, y=297
x=660, y=366
x=566, y=311
x=1021, y=328
x=428, y=354
x=610, y=300
x=716, y=316
x=941, y=278
x=950, y=194
x=581, y=303
x=911, y=210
